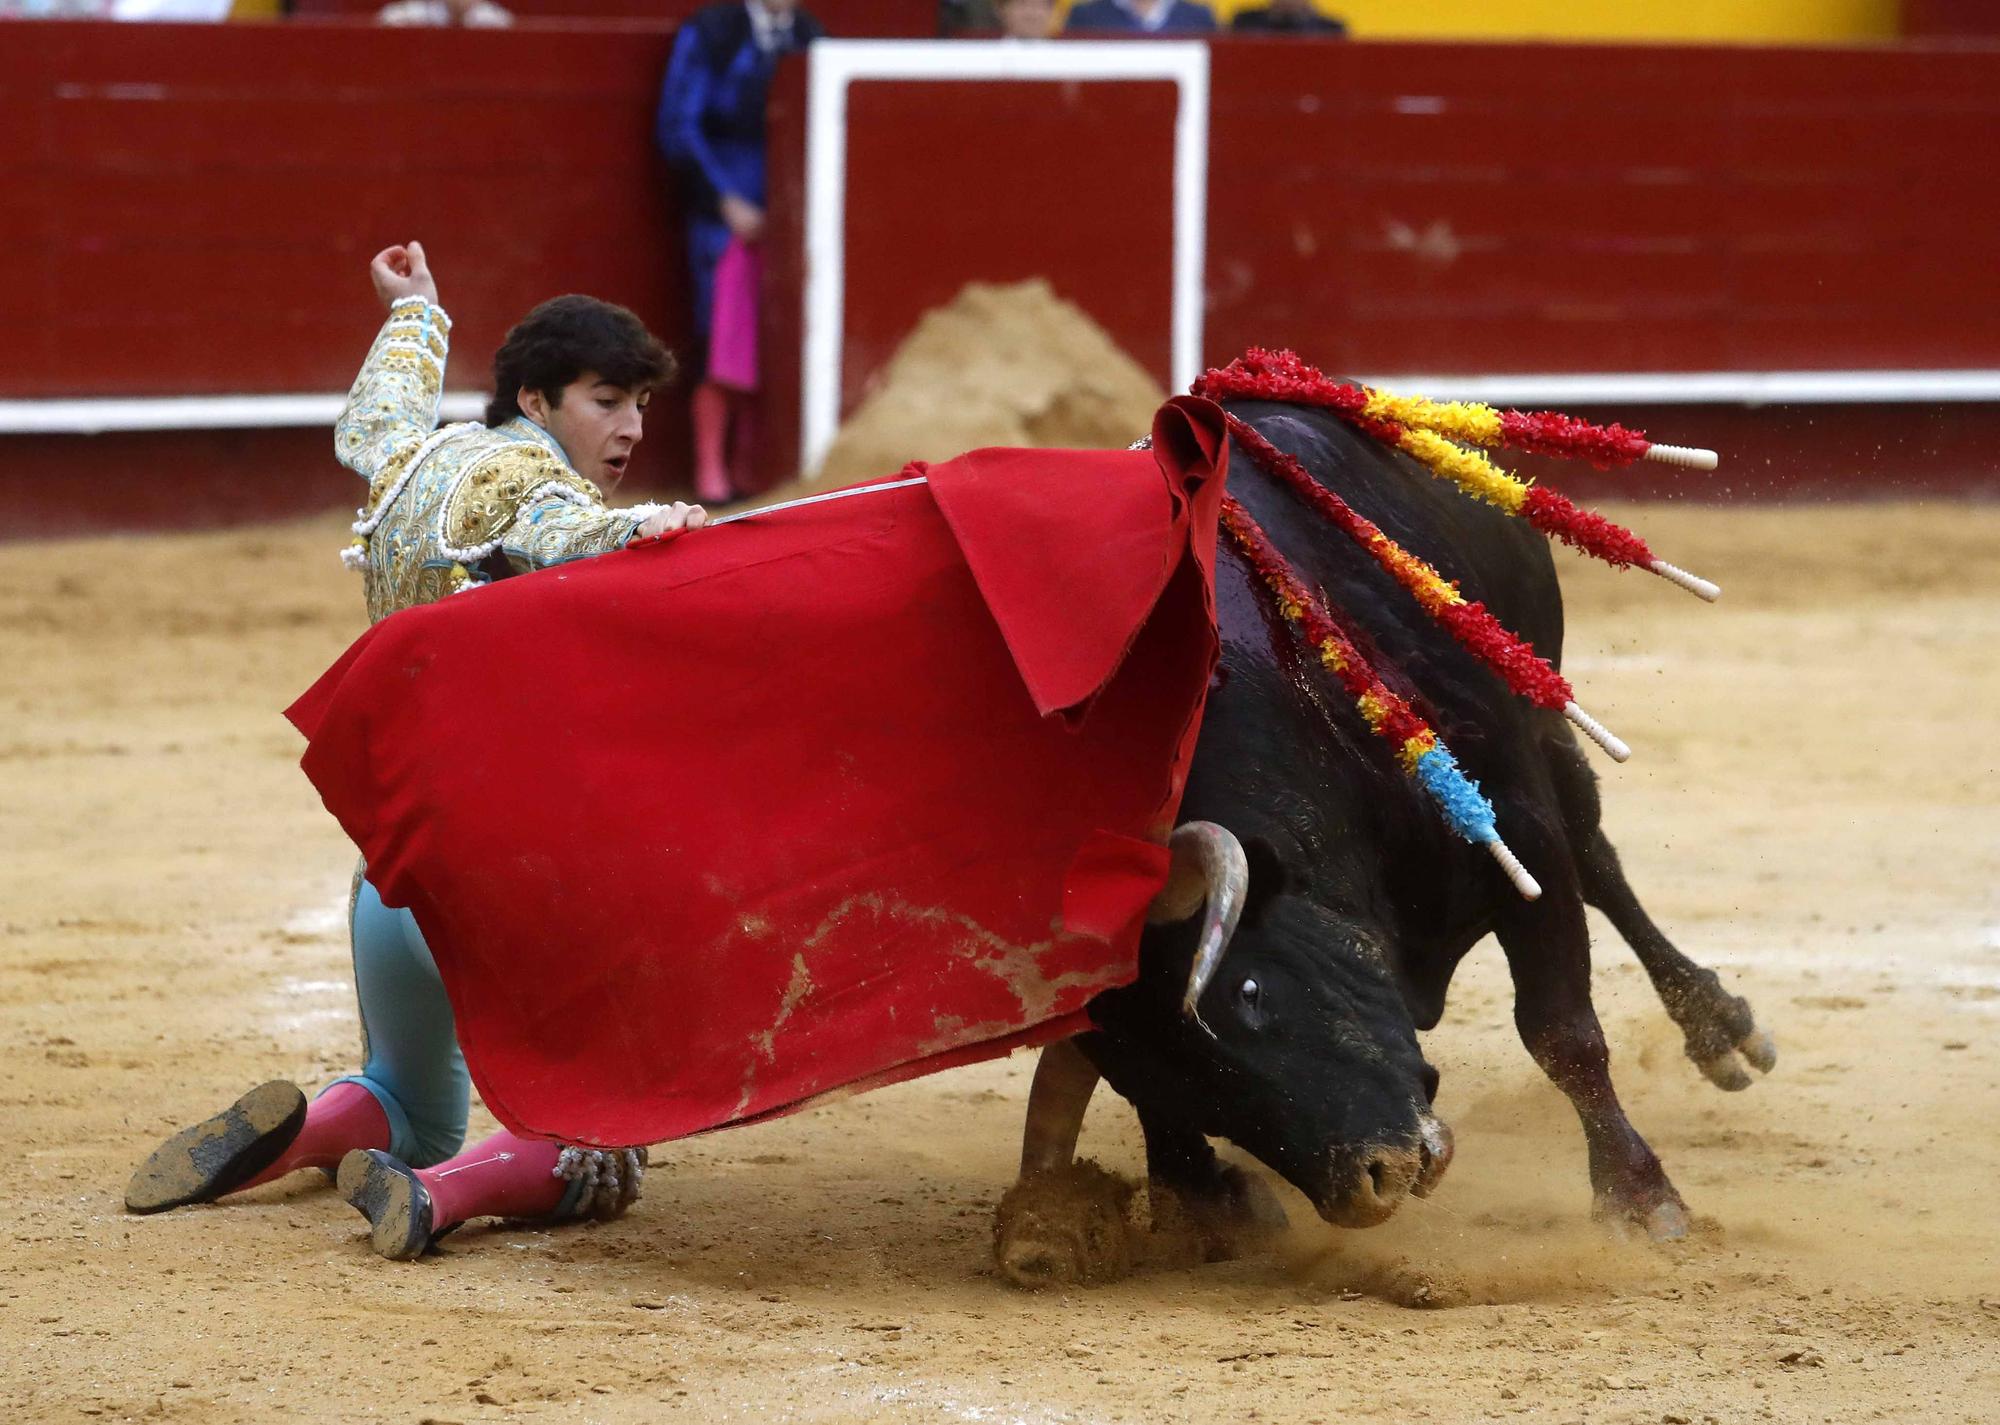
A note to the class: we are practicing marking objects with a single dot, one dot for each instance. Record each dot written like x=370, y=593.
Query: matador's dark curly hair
x=567, y=336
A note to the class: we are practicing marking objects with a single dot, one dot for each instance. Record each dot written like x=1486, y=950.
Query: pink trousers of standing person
x=724, y=418
x=732, y=332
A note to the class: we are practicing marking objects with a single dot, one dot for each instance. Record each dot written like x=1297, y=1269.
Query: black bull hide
x=1361, y=903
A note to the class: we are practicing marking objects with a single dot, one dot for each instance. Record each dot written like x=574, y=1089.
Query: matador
x=448, y=510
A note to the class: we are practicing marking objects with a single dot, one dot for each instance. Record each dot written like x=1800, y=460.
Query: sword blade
x=820, y=499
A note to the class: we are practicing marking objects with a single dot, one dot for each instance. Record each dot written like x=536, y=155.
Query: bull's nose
x=1371, y=1183
x=1368, y=1182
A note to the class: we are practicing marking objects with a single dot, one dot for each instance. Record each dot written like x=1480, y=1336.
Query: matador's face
x=597, y=424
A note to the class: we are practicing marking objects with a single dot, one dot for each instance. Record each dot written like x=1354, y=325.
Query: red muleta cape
x=707, y=828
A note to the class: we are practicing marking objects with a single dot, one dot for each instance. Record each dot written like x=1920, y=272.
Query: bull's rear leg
x=1719, y=1027
x=1548, y=952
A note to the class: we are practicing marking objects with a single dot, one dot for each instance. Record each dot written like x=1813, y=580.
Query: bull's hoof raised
x=1064, y=1228
x=1724, y=1041
x=1232, y=1214
x=1725, y=1069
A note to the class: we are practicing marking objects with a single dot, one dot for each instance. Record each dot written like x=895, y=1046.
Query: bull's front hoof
x=1064, y=1228
x=1231, y=1214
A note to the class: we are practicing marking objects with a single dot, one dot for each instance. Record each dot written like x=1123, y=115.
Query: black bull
x=1360, y=902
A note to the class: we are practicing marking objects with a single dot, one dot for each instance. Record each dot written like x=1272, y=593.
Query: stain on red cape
x=705, y=829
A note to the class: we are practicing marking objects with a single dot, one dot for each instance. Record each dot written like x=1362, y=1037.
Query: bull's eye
x=1249, y=989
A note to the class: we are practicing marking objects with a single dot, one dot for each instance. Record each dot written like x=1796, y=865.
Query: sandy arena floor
x=1812, y=808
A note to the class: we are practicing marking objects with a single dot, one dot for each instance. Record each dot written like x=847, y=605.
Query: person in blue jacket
x=1143, y=17
x=711, y=128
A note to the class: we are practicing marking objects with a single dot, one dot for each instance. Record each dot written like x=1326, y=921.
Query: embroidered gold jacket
x=444, y=503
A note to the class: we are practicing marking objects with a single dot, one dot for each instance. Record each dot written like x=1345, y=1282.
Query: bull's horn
x=1208, y=867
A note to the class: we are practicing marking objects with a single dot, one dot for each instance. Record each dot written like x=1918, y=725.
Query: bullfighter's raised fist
x=402, y=271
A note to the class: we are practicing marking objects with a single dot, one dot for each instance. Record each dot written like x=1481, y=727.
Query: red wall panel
x=191, y=209
x=1577, y=208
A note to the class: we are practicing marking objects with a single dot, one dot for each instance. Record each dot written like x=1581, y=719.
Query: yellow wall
x=1777, y=21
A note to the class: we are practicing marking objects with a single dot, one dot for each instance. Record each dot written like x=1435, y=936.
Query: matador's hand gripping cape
x=825, y=799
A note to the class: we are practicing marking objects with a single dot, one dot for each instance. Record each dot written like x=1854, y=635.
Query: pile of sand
x=1006, y=364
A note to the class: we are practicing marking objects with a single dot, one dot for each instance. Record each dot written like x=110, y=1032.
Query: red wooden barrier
x=1470, y=208
x=1573, y=208
x=189, y=208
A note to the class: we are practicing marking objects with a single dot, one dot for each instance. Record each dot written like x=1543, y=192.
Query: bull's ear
x=1269, y=879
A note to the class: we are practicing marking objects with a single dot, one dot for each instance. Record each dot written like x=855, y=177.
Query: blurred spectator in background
x=170, y=9
x=1286, y=17
x=182, y=10
x=468, y=13
x=1141, y=17
x=1012, y=19
x=711, y=128
x=1026, y=19
x=966, y=17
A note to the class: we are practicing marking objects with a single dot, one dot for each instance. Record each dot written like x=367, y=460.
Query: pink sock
x=504, y=1176
x=346, y=1116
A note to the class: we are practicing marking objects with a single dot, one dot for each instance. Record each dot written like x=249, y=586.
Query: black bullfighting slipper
x=221, y=1153
x=398, y=1207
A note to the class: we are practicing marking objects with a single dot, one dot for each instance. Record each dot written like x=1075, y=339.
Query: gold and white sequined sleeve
x=393, y=404
x=555, y=531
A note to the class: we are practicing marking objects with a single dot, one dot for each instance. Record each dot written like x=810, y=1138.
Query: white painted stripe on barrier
x=836, y=64
x=94, y=416
x=91, y=416
x=1702, y=388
